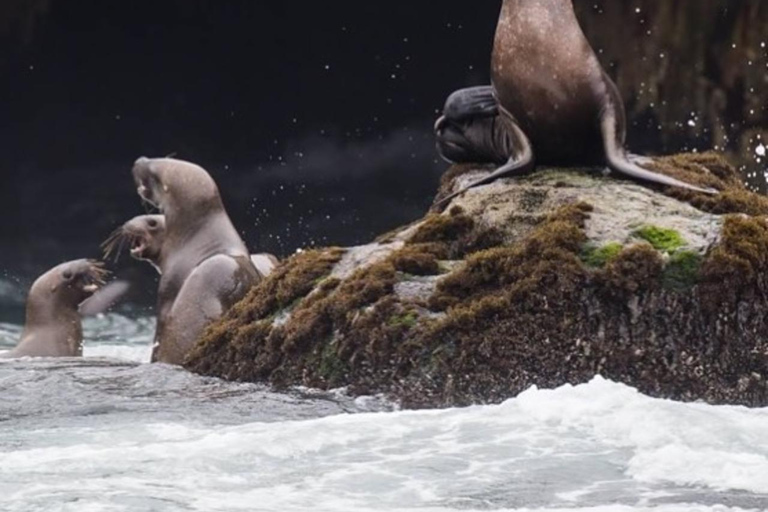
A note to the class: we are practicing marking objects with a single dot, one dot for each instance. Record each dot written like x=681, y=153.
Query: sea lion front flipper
x=210, y=289
x=105, y=298
x=618, y=160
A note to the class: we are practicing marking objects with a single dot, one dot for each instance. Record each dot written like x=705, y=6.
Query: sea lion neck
x=46, y=307
x=202, y=236
x=539, y=20
x=186, y=204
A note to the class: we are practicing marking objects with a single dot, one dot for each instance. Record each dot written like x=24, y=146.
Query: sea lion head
x=69, y=284
x=452, y=142
x=175, y=186
x=469, y=140
x=144, y=234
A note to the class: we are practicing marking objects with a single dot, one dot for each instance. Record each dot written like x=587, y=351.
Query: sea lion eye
x=67, y=275
x=152, y=223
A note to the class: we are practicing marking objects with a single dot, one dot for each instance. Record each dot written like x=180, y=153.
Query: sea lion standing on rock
x=53, y=326
x=556, y=105
x=206, y=268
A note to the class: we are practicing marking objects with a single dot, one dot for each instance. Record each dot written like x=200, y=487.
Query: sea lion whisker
x=113, y=245
x=149, y=208
x=97, y=273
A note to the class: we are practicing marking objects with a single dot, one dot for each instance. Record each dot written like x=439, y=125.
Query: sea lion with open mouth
x=551, y=103
x=145, y=234
x=205, y=265
x=53, y=325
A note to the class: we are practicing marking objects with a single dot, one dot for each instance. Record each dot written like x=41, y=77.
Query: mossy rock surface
x=544, y=280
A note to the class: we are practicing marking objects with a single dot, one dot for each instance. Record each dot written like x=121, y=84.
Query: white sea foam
x=111, y=336
x=598, y=447
x=118, y=337
x=138, y=354
x=105, y=433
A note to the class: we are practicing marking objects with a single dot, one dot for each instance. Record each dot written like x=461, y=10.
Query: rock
x=519, y=209
x=418, y=289
x=543, y=280
x=355, y=257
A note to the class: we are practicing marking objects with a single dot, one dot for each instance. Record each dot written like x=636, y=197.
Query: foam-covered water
x=111, y=433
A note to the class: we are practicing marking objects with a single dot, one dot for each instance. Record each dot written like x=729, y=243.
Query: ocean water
x=110, y=432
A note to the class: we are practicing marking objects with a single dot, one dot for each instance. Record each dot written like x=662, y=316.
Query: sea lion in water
x=205, y=266
x=145, y=235
x=556, y=105
x=53, y=326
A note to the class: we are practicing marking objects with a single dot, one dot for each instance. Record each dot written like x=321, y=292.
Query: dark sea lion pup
x=206, y=267
x=471, y=129
x=53, y=325
x=556, y=105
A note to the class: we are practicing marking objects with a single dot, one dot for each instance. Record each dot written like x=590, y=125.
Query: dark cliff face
x=79, y=118
x=691, y=73
x=670, y=60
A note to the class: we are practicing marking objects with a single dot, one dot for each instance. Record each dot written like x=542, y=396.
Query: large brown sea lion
x=53, y=326
x=551, y=102
x=206, y=267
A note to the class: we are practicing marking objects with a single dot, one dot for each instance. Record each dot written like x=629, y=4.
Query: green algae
x=662, y=239
x=598, y=257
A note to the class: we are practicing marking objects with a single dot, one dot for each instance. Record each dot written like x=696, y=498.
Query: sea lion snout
x=86, y=276
x=143, y=234
x=142, y=161
x=141, y=170
x=145, y=178
x=74, y=281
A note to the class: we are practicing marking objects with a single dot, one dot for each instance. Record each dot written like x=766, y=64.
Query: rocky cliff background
x=202, y=79
x=690, y=70
x=693, y=73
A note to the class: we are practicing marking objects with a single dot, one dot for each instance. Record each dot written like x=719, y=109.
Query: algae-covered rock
x=543, y=280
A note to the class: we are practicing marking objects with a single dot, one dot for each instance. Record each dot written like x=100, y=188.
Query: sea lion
x=53, y=326
x=206, y=267
x=265, y=263
x=471, y=129
x=556, y=104
x=145, y=235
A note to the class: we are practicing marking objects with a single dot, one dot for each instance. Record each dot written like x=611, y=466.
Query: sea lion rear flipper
x=210, y=289
x=618, y=160
x=264, y=263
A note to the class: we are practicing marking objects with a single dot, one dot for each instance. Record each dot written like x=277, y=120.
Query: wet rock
x=543, y=280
